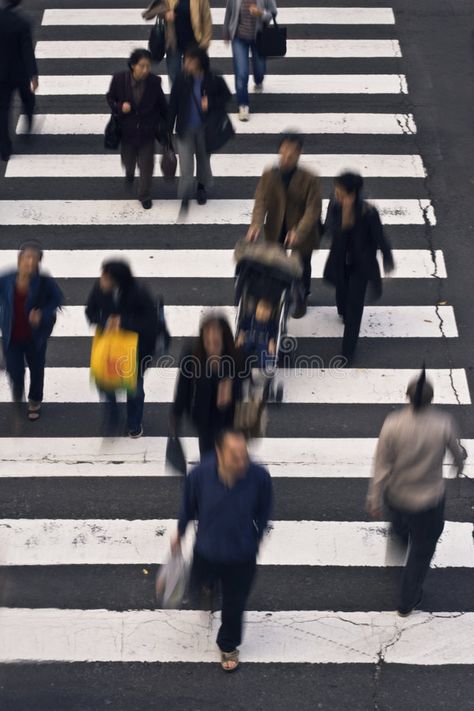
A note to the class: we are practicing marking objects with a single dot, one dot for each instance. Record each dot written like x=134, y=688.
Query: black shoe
x=146, y=204
x=201, y=195
x=135, y=434
x=405, y=612
x=5, y=157
x=300, y=310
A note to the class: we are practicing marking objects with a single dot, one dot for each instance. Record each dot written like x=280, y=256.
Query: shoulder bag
x=271, y=40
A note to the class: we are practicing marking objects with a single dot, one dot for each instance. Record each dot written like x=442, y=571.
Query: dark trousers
x=420, y=531
x=236, y=580
x=350, y=299
x=17, y=357
x=6, y=96
x=135, y=405
x=145, y=157
x=306, y=276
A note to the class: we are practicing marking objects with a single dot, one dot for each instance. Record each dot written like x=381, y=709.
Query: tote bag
x=114, y=360
x=271, y=40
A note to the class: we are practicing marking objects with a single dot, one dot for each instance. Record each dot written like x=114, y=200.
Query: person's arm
x=28, y=52
x=269, y=10
x=259, y=208
x=453, y=444
x=206, y=22
x=113, y=96
x=162, y=105
x=382, y=469
x=312, y=211
x=227, y=18
x=189, y=506
x=142, y=314
x=53, y=301
x=94, y=313
x=173, y=104
x=381, y=240
x=264, y=507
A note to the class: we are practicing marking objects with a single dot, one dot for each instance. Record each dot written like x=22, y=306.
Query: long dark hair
x=120, y=273
x=353, y=184
x=228, y=346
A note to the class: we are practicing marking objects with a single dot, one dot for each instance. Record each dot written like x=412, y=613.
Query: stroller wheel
x=279, y=393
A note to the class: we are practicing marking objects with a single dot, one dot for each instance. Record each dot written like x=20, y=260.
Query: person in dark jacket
x=196, y=93
x=231, y=498
x=208, y=382
x=357, y=234
x=117, y=301
x=18, y=71
x=137, y=98
x=28, y=304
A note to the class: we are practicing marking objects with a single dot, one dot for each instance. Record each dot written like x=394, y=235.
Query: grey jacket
x=408, y=466
x=232, y=16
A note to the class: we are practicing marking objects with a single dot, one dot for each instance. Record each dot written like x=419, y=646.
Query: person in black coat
x=18, y=70
x=357, y=234
x=137, y=98
x=196, y=94
x=208, y=383
x=117, y=301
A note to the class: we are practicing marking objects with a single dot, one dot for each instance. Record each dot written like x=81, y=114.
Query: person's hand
x=255, y=11
x=239, y=341
x=175, y=543
x=271, y=347
x=34, y=84
x=252, y=233
x=224, y=393
x=291, y=239
x=373, y=510
x=35, y=317
x=388, y=266
x=126, y=108
x=204, y=104
x=169, y=17
x=113, y=323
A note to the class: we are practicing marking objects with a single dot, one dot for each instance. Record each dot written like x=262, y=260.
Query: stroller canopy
x=265, y=270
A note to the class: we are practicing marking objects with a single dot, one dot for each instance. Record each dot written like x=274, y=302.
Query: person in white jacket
x=243, y=20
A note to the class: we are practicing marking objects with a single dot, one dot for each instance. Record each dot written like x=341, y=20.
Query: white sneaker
x=258, y=88
x=244, y=113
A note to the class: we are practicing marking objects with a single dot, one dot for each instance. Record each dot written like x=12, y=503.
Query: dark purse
x=157, y=40
x=271, y=40
x=112, y=133
x=175, y=455
x=168, y=162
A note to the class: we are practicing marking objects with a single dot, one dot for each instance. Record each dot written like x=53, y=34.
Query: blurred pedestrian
x=357, y=234
x=18, y=71
x=196, y=94
x=288, y=206
x=231, y=498
x=243, y=20
x=408, y=475
x=137, y=98
x=117, y=301
x=208, y=383
x=29, y=301
x=188, y=22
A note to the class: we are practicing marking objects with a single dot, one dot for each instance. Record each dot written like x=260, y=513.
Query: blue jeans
x=135, y=405
x=174, y=63
x=240, y=53
x=16, y=356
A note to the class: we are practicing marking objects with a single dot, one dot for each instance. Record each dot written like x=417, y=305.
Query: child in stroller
x=258, y=333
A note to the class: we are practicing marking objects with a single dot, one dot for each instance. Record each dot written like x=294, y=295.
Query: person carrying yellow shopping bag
x=127, y=320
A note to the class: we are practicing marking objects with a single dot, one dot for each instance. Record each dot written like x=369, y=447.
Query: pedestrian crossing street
x=77, y=507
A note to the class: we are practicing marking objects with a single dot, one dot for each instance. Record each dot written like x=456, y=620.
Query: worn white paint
x=293, y=636
x=345, y=123
x=308, y=383
x=220, y=212
x=106, y=49
x=90, y=85
x=319, y=322
x=108, y=165
x=206, y=263
x=286, y=16
x=346, y=457
x=312, y=543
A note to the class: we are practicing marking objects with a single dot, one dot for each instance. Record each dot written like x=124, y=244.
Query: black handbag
x=168, y=162
x=157, y=40
x=112, y=133
x=175, y=455
x=271, y=40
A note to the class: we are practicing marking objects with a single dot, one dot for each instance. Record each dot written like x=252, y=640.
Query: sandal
x=34, y=412
x=230, y=658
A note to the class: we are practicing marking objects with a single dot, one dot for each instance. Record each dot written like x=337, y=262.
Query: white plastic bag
x=171, y=581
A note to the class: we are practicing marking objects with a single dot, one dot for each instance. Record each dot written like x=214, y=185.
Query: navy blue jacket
x=231, y=521
x=43, y=294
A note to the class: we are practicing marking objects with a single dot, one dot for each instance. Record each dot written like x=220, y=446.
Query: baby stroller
x=267, y=283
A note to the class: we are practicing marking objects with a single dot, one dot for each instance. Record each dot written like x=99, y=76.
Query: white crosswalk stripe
x=57, y=472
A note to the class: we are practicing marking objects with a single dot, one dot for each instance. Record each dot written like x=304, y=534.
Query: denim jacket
x=43, y=293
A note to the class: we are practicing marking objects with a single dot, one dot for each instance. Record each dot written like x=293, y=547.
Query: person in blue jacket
x=28, y=304
x=230, y=497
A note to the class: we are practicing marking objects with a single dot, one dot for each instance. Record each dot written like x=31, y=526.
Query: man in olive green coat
x=288, y=206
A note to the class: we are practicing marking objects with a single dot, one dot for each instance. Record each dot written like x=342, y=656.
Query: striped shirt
x=247, y=22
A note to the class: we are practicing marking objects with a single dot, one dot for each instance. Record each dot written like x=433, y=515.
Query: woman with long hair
x=357, y=234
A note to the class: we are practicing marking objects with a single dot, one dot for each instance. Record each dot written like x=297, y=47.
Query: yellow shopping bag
x=114, y=363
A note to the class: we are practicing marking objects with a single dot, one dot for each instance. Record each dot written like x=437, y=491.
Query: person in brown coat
x=288, y=206
x=188, y=22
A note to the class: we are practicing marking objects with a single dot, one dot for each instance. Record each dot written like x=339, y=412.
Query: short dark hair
x=222, y=434
x=31, y=245
x=350, y=182
x=137, y=55
x=194, y=51
x=291, y=137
